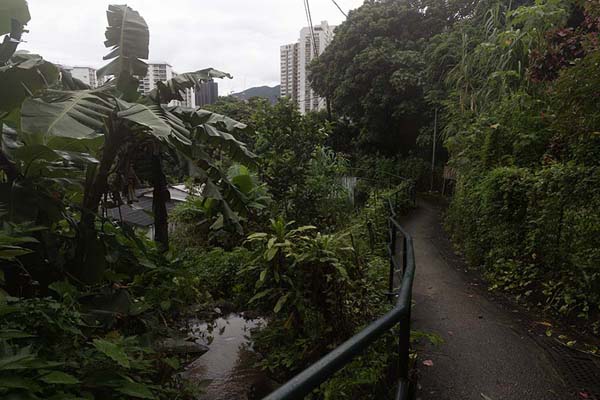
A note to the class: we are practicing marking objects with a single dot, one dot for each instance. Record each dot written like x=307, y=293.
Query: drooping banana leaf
x=128, y=36
x=218, y=130
x=156, y=120
x=65, y=114
x=23, y=76
x=13, y=9
x=11, y=42
x=68, y=82
x=228, y=199
x=39, y=160
x=172, y=89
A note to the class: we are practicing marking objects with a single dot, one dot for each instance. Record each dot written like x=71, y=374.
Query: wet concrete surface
x=487, y=353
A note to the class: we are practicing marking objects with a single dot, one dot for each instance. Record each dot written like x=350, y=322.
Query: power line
x=311, y=27
x=340, y=8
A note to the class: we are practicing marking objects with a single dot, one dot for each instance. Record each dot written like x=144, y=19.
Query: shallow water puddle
x=228, y=363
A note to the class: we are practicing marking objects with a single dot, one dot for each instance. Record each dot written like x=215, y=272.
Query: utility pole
x=434, y=147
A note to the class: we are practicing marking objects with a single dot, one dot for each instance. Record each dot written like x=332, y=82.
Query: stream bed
x=228, y=365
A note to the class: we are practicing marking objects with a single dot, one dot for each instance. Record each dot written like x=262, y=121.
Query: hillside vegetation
x=513, y=87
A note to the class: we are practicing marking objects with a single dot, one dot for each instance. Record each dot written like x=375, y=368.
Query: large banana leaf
x=68, y=114
x=13, y=9
x=218, y=130
x=23, y=76
x=156, y=120
x=11, y=42
x=170, y=90
x=70, y=83
x=127, y=33
x=225, y=196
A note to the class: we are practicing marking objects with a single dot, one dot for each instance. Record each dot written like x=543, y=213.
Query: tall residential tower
x=160, y=72
x=295, y=58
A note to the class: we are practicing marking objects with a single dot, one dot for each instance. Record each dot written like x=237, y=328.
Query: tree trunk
x=8, y=167
x=160, y=198
x=89, y=255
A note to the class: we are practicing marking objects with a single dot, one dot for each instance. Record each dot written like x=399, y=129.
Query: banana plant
x=100, y=130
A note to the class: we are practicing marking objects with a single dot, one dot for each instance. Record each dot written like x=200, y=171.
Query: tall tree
x=373, y=71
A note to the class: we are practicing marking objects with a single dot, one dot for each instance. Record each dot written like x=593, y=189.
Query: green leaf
x=259, y=295
x=75, y=115
x=25, y=74
x=19, y=361
x=165, y=304
x=172, y=89
x=18, y=382
x=11, y=252
x=64, y=289
x=113, y=351
x=263, y=275
x=135, y=389
x=234, y=148
x=157, y=120
x=271, y=253
x=243, y=182
x=281, y=302
x=59, y=378
x=13, y=9
x=259, y=235
x=219, y=130
x=172, y=362
x=7, y=334
x=128, y=36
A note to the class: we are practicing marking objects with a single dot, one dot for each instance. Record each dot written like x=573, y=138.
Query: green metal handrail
x=309, y=379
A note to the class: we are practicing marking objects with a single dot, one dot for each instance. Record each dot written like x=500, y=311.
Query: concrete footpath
x=487, y=352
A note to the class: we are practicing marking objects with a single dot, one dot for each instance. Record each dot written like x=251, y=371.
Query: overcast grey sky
x=241, y=37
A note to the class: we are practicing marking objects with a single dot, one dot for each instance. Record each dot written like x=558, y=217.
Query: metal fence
x=402, y=263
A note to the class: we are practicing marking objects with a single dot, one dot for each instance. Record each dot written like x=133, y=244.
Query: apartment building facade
x=289, y=71
x=295, y=59
x=160, y=72
x=207, y=93
x=87, y=75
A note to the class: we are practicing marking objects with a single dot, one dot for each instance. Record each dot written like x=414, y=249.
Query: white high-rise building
x=289, y=71
x=295, y=59
x=85, y=74
x=160, y=72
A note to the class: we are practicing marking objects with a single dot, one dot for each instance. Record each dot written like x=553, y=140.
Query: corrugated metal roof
x=140, y=212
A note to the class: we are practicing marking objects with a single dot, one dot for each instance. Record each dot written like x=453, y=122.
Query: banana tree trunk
x=89, y=262
x=8, y=167
x=160, y=198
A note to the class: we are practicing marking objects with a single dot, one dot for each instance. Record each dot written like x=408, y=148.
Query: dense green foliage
x=319, y=290
x=86, y=302
x=374, y=72
x=515, y=86
x=526, y=149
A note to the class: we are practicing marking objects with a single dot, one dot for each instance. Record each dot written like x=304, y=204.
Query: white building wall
x=294, y=81
x=160, y=72
x=289, y=71
x=85, y=74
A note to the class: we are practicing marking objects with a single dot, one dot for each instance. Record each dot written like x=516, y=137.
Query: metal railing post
x=306, y=381
x=404, y=254
x=404, y=347
x=393, y=234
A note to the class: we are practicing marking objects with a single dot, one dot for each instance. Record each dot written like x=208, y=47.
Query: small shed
x=139, y=213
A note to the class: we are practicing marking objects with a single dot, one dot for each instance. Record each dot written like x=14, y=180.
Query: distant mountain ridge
x=267, y=92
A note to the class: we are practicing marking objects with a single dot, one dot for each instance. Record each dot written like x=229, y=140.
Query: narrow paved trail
x=487, y=352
